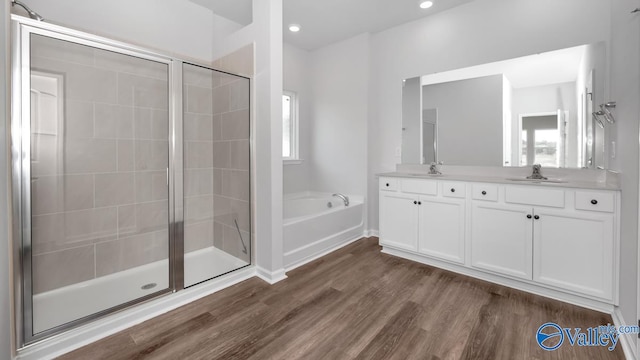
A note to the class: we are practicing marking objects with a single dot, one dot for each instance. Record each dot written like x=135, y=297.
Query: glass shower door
x=95, y=181
x=217, y=235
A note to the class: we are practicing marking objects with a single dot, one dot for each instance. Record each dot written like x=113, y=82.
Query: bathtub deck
x=356, y=303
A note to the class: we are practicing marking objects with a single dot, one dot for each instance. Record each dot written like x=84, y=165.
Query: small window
x=289, y=126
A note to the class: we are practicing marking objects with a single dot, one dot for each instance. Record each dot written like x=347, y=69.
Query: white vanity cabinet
x=399, y=221
x=556, y=241
x=414, y=217
x=574, y=250
x=501, y=239
x=502, y=226
x=442, y=227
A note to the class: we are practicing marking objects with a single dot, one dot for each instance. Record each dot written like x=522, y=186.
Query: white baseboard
x=626, y=340
x=318, y=255
x=371, y=232
x=73, y=339
x=271, y=277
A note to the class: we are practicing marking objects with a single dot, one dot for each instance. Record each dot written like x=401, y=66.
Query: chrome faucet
x=433, y=168
x=536, y=174
x=343, y=197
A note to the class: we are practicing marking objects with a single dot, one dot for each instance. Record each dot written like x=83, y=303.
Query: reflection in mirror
x=411, y=121
x=541, y=139
x=429, y=135
x=517, y=112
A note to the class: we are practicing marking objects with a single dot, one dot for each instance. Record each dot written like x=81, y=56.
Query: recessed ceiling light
x=294, y=27
x=426, y=4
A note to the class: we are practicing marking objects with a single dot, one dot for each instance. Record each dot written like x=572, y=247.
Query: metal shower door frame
x=22, y=29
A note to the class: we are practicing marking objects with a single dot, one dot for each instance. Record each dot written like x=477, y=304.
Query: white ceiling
x=552, y=67
x=239, y=11
x=328, y=21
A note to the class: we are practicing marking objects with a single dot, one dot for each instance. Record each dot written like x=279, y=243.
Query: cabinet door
x=501, y=239
x=441, y=224
x=398, y=221
x=574, y=251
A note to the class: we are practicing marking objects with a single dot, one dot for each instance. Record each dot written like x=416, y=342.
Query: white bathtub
x=313, y=228
x=59, y=306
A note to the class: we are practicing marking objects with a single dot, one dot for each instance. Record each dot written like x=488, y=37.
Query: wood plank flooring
x=356, y=303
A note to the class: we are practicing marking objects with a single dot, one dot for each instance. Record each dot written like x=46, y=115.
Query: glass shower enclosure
x=130, y=175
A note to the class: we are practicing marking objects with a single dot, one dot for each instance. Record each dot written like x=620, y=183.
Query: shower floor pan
x=63, y=305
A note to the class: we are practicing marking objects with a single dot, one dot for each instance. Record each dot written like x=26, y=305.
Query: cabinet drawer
x=415, y=186
x=595, y=201
x=485, y=192
x=388, y=184
x=453, y=189
x=532, y=195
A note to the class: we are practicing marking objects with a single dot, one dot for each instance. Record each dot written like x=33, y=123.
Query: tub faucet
x=343, y=197
x=536, y=174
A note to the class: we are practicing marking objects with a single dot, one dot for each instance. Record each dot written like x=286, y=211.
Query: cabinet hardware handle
x=484, y=193
x=387, y=184
x=453, y=190
x=594, y=202
x=419, y=202
x=528, y=216
x=415, y=203
x=536, y=217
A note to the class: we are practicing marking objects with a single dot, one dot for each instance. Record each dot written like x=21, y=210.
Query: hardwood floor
x=356, y=303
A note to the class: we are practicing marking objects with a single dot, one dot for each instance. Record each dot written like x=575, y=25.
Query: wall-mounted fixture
x=605, y=113
x=426, y=4
x=597, y=119
x=32, y=14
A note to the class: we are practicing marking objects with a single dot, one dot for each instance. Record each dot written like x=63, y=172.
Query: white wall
x=297, y=78
x=177, y=26
x=266, y=34
x=411, y=121
x=332, y=86
x=340, y=78
x=625, y=89
x=6, y=340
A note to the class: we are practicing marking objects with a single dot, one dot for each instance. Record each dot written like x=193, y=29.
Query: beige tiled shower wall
x=216, y=128
x=99, y=182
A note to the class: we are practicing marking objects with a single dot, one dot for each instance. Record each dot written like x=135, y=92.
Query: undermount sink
x=537, y=181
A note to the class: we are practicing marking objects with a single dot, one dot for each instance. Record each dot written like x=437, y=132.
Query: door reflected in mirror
x=542, y=139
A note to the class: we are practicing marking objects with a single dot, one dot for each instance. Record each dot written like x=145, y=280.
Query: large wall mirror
x=535, y=109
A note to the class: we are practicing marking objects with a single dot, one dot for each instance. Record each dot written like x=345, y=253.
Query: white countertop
x=565, y=182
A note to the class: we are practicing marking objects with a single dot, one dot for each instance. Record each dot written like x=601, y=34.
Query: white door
x=574, y=251
x=399, y=221
x=441, y=223
x=501, y=239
